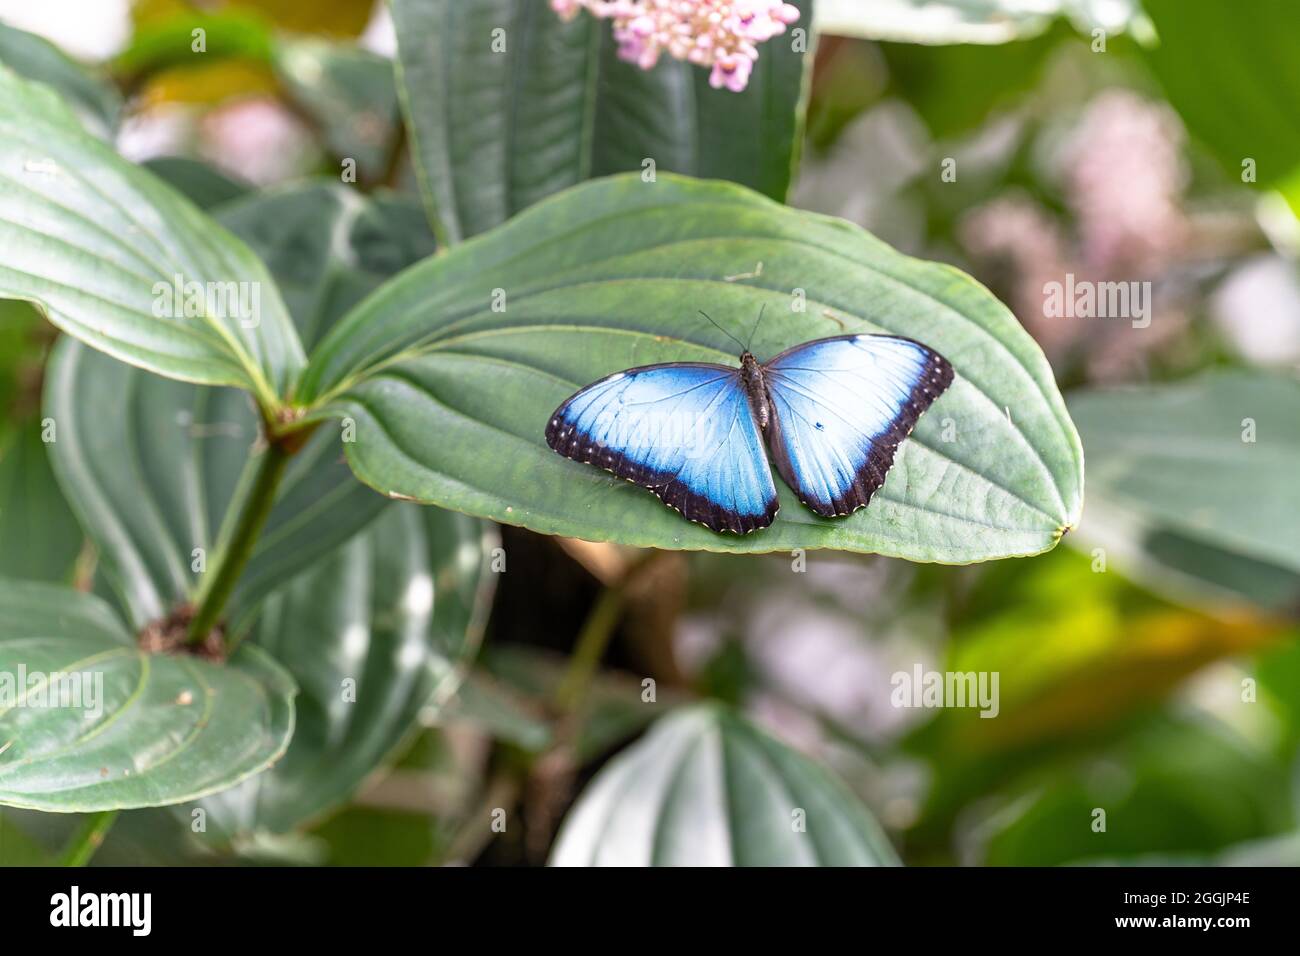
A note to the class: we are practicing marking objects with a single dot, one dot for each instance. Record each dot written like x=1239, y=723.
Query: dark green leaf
x=494, y=132
x=200, y=183
x=148, y=731
x=327, y=245
x=39, y=537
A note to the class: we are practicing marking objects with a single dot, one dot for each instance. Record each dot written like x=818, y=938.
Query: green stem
x=255, y=509
x=592, y=642
x=88, y=839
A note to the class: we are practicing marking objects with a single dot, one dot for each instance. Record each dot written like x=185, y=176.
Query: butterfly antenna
x=755, y=328
x=723, y=331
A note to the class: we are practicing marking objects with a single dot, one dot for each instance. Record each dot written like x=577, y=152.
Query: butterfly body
x=832, y=412
x=760, y=404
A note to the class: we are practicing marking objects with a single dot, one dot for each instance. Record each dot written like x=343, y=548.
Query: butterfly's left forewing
x=841, y=407
x=684, y=431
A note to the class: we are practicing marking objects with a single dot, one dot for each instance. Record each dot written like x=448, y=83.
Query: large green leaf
x=152, y=465
x=451, y=398
x=1180, y=492
x=151, y=729
x=93, y=98
x=396, y=611
x=1233, y=75
x=494, y=132
x=95, y=241
x=706, y=788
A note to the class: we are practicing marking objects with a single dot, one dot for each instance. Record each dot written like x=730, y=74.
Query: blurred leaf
x=1181, y=493
x=849, y=77
x=95, y=101
x=1187, y=568
x=955, y=88
x=17, y=848
x=1278, y=674
x=79, y=210
x=351, y=95
x=1170, y=787
x=339, y=18
x=964, y=21
x=494, y=133
x=1240, y=101
x=612, y=710
x=162, y=65
x=365, y=836
x=207, y=83
x=706, y=788
x=24, y=339
x=490, y=706
x=41, y=537
x=1078, y=655
x=433, y=375
x=332, y=17
x=198, y=182
x=327, y=245
x=168, y=39
x=376, y=634
x=161, y=729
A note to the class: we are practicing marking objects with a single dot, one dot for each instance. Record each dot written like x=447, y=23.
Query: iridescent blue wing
x=685, y=431
x=840, y=407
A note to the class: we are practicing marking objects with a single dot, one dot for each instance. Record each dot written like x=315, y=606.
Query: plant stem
x=255, y=509
x=590, y=647
x=88, y=839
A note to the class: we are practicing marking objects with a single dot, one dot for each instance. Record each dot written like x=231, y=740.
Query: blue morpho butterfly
x=833, y=412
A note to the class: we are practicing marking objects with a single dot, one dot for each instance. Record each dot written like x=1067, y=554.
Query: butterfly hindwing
x=840, y=408
x=684, y=431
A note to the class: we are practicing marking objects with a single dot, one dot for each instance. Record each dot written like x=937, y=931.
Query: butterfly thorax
x=751, y=373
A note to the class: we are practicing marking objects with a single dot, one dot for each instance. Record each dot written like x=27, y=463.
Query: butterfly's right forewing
x=684, y=431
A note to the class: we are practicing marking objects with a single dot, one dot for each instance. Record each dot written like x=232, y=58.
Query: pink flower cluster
x=717, y=33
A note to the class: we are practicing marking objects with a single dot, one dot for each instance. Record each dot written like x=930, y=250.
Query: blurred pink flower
x=1124, y=174
x=716, y=33
x=256, y=139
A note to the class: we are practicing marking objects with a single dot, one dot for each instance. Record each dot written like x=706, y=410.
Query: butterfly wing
x=840, y=408
x=684, y=431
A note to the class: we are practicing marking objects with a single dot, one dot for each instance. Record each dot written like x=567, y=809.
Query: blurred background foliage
x=1150, y=666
